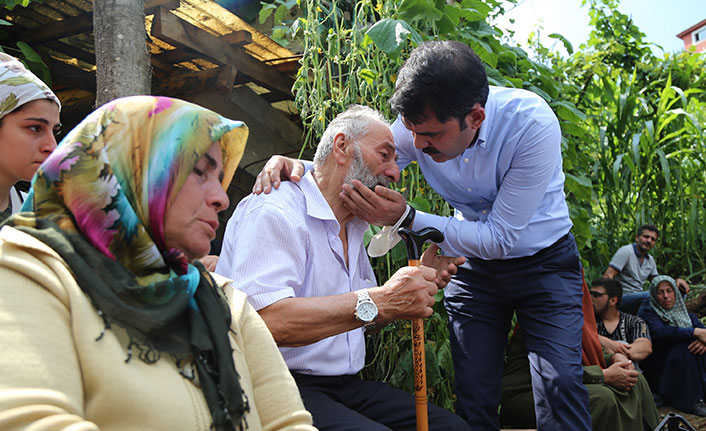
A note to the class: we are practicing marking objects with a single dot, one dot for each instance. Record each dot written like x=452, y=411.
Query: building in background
x=695, y=35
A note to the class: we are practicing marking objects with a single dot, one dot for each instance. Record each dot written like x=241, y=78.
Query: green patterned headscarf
x=19, y=86
x=677, y=315
x=99, y=201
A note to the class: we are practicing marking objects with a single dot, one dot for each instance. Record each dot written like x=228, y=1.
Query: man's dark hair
x=650, y=227
x=612, y=287
x=444, y=76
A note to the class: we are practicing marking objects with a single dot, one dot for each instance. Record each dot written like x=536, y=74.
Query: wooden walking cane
x=414, y=241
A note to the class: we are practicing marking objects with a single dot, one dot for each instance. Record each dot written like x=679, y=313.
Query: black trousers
x=346, y=403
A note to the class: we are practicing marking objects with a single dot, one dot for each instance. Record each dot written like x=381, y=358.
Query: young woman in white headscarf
x=29, y=121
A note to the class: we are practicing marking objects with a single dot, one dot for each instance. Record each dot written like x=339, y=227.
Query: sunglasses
x=597, y=294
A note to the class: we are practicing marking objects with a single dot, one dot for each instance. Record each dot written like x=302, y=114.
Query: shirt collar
x=487, y=122
x=317, y=206
x=637, y=252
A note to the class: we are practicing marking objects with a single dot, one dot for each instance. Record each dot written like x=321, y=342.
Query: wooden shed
x=199, y=51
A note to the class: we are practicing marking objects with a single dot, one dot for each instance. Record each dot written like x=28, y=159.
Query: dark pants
x=545, y=291
x=346, y=403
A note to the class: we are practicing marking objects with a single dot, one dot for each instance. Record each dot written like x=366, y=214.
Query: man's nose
x=420, y=142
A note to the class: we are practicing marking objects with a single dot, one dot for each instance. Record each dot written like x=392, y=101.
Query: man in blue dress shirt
x=495, y=155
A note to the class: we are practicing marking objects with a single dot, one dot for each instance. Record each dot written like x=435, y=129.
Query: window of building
x=699, y=35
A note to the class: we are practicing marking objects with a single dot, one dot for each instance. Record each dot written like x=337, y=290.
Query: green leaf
x=3, y=22
x=29, y=53
x=265, y=12
x=579, y=185
x=420, y=203
x=368, y=75
x=414, y=10
x=391, y=35
x=565, y=41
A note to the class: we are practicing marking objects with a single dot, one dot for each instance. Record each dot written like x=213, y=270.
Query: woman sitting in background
x=104, y=322
x=29, y=119
x=676, y=370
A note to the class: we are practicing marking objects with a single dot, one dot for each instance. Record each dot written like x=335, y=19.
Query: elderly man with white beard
x=300, y=257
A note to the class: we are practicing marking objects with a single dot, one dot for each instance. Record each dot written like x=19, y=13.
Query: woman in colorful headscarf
x=676, y=370
x=107, y=321
x=29, y=119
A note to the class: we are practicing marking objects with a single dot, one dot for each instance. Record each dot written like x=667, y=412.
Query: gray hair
x=353, y=123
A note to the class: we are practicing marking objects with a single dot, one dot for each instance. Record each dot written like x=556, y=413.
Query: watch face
x=367, y=311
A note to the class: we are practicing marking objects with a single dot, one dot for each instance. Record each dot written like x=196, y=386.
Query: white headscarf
x=19, y=86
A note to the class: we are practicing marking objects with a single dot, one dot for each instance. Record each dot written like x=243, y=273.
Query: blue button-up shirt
x=286, y=244
x=507, y=189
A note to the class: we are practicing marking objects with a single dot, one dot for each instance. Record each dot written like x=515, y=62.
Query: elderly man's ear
x=342, y=148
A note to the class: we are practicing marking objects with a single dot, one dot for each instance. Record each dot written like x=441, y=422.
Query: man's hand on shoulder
x=683, y=285
x=408, y=294
x=697, y=347
x=278, y=168
x=382, y=207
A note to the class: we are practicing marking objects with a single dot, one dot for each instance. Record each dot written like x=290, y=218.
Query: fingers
x=297, y=171
x=382, y=209
x=276, y=169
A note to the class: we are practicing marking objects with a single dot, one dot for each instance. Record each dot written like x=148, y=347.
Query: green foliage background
x=631, y=122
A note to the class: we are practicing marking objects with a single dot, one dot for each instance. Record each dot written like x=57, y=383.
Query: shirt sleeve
x=620, y=258
x=41, y=386
x=663, y=332
x=246, y=252
x=276, y=395
x=638, y=329
x=519, y=196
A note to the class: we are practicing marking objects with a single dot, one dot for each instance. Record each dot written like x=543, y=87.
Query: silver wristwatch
x=365, y=310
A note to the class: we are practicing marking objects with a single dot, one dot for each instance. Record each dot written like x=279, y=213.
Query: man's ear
x=340, y=148
x=476, y=117
x=613, y=300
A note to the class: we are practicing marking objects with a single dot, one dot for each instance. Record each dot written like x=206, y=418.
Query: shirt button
x=469, y=189
x=465, y=160
x=485, y=211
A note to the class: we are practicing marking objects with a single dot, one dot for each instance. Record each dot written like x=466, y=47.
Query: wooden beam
x=174, y=30
x=82, y=23
x=174, y=56
x=218, y=79
x=64, y=74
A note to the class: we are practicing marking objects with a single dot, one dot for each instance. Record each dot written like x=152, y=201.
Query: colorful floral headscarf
x=99, y=200
x=677, y=315
x=19, y=86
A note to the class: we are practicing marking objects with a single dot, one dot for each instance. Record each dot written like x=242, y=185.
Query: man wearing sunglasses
x=618, y=332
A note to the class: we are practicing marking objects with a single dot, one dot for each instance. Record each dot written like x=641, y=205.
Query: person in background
x=106, y=322
x=29, y=121
x=618, y=332
x=632, y=265
x=619, y=396
x=676, y=370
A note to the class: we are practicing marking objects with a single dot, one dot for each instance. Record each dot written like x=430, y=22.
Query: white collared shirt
x=286, y=244
x=507, y=189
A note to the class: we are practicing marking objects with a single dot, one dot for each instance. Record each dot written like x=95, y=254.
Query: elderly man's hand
x=278, y=168
x=445, y=266
x=408, y=294
x=382, y=207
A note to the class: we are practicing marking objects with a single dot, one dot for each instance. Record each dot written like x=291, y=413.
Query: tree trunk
x=122, y=61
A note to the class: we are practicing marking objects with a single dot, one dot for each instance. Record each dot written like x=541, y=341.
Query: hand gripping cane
x=414, y=241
